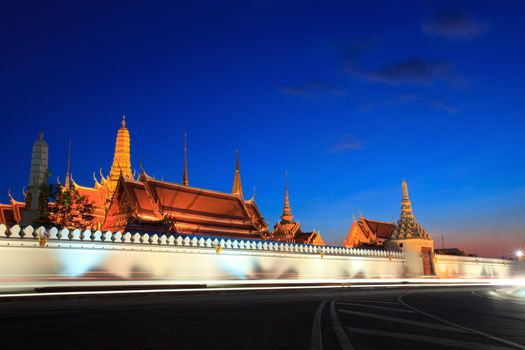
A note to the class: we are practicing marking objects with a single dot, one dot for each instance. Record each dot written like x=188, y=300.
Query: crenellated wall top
x=44, y=235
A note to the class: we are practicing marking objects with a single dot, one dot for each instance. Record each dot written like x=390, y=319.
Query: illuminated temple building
x=368, y=233
x=144, y=204
x=125, y=203
x=102, y=191
x=287, y=230
x=148, y=204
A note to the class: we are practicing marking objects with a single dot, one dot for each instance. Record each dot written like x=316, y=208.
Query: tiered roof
x=287, y=230
x=148, y=202
x=367, y=232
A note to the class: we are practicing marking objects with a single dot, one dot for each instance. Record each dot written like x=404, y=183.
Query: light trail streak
x=214, y=286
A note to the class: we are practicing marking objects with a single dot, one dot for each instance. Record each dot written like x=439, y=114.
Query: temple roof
x=154, y=199
x=288, y=230
x=380, y=228
x=11, y=214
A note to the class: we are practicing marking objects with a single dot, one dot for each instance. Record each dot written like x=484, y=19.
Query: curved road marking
x=423, y=338
x=483, y=334
x=339, y=331
x=317, y=339
x=437, y=326
x=396, y=309
x=369, y=301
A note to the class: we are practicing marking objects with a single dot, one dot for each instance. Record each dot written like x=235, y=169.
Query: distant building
x=287, y=230
x=368, y=233
x=450, y=251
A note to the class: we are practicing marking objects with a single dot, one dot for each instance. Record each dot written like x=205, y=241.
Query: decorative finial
x=406, y=206
x=143, y=172
x=185, y=170
x=123, y=120
x=10, y=196
x=237, y=185
x=287, y=211
x=73, y=183
x=68, y=169
x=102, y=178
x=97, y=184
x=41, y=135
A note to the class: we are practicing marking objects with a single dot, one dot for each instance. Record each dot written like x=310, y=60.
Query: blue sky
x=350, y=98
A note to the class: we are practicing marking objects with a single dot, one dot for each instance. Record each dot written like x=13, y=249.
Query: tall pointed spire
x=67, y=183
x=237, y=185
x=185, y=172
x=406, y=206
x=407, y=225
x=287, y=210
x=121, y=157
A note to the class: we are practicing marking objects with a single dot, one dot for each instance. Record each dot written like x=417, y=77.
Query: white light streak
x=214, y=286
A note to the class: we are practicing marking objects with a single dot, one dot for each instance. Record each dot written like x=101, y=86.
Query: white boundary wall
x=450, y=266
x=32, y=258
x=81, y=257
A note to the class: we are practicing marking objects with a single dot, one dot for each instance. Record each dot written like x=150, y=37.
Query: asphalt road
x=401, y=318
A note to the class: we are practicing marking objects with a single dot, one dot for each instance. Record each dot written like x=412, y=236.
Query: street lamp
x=519, y=254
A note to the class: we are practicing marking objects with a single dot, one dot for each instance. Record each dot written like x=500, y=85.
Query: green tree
x=67, y=208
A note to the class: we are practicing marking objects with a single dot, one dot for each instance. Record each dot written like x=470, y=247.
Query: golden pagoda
x=102, y=191
x=121, y=159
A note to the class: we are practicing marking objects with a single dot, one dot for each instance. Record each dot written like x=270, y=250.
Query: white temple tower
x=38, y=177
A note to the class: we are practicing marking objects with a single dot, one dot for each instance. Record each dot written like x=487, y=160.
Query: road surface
x=380, y=318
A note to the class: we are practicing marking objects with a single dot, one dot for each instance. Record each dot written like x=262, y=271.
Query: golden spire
x=68, y=170
x=185, y=172
x=237, y=185
x=121, y=158
x=406, y=206
x=287, y=211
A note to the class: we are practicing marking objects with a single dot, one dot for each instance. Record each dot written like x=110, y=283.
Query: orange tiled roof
x=192, y=210
x=11, y=214
x=380, y=228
